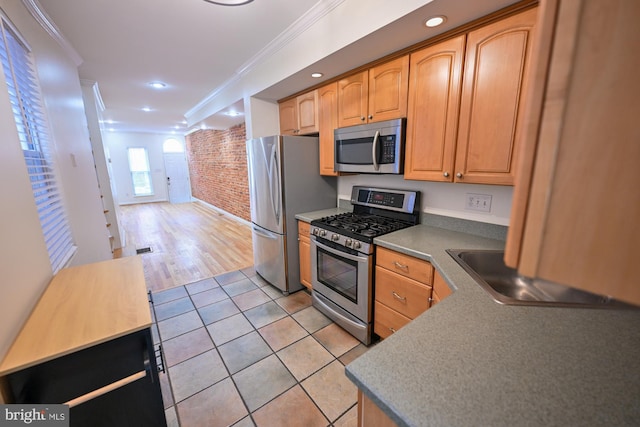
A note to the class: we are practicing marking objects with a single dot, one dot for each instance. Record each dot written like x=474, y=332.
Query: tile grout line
x=254, y=329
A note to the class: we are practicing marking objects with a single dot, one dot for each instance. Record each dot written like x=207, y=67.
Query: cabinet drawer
x=386, y=321
x=405, y=265
x=304, y=228
x=402, y=294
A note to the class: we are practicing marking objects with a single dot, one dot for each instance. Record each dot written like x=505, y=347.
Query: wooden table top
x=82, y=306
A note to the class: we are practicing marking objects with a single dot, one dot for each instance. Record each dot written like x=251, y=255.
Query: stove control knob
x=314, y=231
x=335, y=237
x=348, y=243
x=323, y=233
x=356, y=245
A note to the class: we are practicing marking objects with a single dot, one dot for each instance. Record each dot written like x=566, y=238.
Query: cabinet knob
x=459, y=175
x=446, y=174
x=362, y=118
x=370, y=117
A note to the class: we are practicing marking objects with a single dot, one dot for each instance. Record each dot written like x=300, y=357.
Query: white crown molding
x=313, y=15
x=96, y=92
x=34, y=7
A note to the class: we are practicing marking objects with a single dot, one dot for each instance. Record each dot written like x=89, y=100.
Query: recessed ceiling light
x=434, y=21
x=146, y=109
x=158, y=85
x=229, y=2
x=316, y=75
x=233, y=113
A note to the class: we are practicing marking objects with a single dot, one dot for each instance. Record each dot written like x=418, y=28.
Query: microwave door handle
x=374, y=150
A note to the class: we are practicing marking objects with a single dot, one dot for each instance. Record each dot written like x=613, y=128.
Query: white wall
x=440, y=198
x=24, y=262
x=118, y=143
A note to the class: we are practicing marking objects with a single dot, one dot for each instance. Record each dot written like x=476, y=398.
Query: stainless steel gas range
x=342, y=254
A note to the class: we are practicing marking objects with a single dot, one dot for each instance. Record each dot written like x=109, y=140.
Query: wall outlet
x=478, y=202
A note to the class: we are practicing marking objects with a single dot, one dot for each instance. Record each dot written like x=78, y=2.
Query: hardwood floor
x=189, y=242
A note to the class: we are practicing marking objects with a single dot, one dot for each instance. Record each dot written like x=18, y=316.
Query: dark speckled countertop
x=470, y=361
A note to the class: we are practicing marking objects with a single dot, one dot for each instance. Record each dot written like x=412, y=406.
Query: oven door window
x=339, y=274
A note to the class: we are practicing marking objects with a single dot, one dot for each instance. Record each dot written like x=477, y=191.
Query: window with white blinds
x=33, y=130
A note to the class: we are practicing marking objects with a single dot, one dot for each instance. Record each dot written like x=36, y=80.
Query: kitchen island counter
x=470, y=361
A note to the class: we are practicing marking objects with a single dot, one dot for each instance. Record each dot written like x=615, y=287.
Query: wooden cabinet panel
x=299, y=116
x=288, y=117
x=328, y=122
x=370, y=415
x=307, y=105
x=353, y=93
x=440, y=289
x=374, y=95
x=404, y=295
x=304, y=252
x=494, y=80
x=405, y=265
x=388, y=90
x=432, y=116
x=580, y=212
x=387, y=321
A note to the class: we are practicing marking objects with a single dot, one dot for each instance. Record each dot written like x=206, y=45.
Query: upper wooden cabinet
x=462, y=123
x=374, y=95
x=432, y=118
x=328, y=121
x=495, y=77
x=299, y=116
x=576, y=204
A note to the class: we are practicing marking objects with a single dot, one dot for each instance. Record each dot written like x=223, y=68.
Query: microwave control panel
x=388, y=151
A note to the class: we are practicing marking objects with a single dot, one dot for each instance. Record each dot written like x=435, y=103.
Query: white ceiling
x=196, y=48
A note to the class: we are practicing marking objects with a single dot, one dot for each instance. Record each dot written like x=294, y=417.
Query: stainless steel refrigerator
x=284, y=180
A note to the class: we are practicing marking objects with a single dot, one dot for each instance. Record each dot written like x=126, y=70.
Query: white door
x=177, y=171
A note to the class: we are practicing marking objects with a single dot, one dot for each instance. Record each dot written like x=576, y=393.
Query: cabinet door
x=289, y=117
x=352, y=99
x=370, y=415
x=495, y=74
x=307, y=105
x=304, y=252
x=388, y=90
x=328, y=121
x=432, y=116
x=580, y=222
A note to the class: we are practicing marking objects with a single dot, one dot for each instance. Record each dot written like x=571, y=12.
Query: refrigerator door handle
x=274, y=169
x=263, y=233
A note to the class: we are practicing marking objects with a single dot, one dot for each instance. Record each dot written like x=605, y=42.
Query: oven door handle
x=340, y=253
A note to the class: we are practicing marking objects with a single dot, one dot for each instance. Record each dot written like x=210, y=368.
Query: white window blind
x=33, y=131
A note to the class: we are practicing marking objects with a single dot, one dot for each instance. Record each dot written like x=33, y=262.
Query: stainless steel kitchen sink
x=506, y=286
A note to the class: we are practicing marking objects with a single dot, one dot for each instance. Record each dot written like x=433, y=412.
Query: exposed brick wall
x=218, y=169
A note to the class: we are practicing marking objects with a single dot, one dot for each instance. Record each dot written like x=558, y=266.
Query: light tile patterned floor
x=239, y=353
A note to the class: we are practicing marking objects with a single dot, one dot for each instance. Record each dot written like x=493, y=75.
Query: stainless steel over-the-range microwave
x=371, y=148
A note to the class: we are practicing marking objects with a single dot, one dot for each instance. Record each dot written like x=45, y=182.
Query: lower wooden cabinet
x=370, y=415
x=304, y=251
x=440, y=289
x=402, y=290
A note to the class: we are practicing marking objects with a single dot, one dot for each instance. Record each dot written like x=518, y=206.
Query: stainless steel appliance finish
x=342, y=254
x=284, y=179
x=371, y=148
x=506, y=286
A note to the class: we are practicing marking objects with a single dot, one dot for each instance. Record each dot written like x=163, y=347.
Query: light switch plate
x=478, y=202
